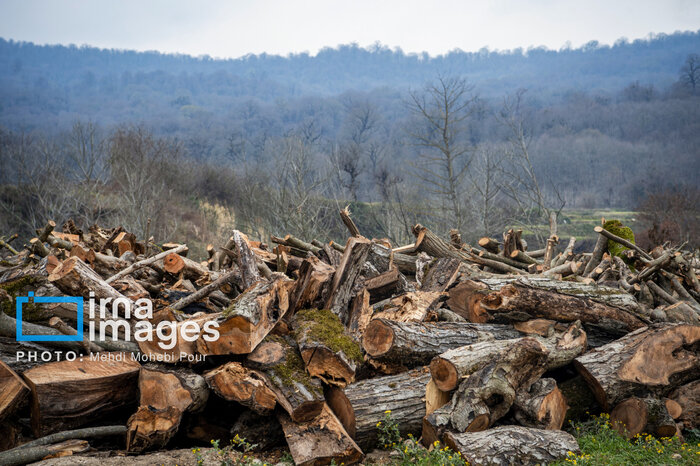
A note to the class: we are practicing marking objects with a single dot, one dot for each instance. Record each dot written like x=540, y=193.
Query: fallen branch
x=143, y=263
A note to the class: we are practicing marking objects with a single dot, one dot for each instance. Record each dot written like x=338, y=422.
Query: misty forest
x=178, y=147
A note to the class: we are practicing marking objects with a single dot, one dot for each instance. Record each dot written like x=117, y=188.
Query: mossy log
x=321, y=440
x=415, y=343
x=328, y=352
x=518, y=302
x=361, y=405
x=636, y=415
x=296, y=391
x=540, y=405
x=234, y=382
x=688, y=398
x=249, y=318
x=68, y=394
x=13, y=391
x=512, y=446
x=653, y=359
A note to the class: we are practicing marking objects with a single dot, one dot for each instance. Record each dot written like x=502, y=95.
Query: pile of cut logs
x=488, y=350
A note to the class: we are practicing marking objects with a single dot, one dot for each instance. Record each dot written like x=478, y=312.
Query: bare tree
x=521, y=184
x=690, y=72
x=486, y=179
x=442, y=111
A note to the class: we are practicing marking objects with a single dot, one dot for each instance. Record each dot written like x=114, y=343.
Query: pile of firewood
x=488, y=350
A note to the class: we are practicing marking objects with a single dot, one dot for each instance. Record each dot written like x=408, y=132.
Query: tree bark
x=13, y=391
x=653, y=359
x=541, y=405
x=512, y=445
x=312, y=288
x=361, y=405
x=75, y=278
x=636, y=415
x=688, y=397
x=441, y=274
x=346, y=275
x=415, y=344
x=410, y=307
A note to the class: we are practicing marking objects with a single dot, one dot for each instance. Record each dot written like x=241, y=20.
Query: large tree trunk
x=68, y=394
x=361, y=405
x=541, y=405
x=320, y=441
x=654, y=359
x=413, y=343
x=328, y=352
x=249, y=318
x=298, y=394
x=512, y=445
x=233, y=382
x=517, y=302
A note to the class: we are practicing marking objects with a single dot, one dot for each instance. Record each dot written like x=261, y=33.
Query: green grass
x=601, y=444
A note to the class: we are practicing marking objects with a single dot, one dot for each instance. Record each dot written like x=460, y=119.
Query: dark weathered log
x=386, y=285
x=517, y=301
x=321, y=440
x=206, y=290
x=234, y=382
x=653, y=359
x=413, y=343
x=540, y=405
x=151, y=428
x=328, y=352
x=249, y=318
x=441, y=274
x=346, y=275
x=88, y=432
x=297, y=393
x=688, y=397
x=8, y=328
x=19, y=456
x=263, y=431
x=68, y=394
x=246, y=260
x=636, y=415
x=13, y=391
x=512, y=445
x=361, y=405
x=345, y=217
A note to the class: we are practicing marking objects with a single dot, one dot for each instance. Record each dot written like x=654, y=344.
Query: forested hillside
x=529, y=132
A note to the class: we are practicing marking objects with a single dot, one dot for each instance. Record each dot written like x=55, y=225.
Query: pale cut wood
x=636, y=415
x=151, y=428
x=541, y=405
x=234, y=382
x=13, y=391
x=145, y=262
x=410, y=307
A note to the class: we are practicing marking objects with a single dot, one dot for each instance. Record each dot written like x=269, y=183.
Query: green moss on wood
x=19, y=287
x=617, y=228
x=324, y=327
x=291, y=369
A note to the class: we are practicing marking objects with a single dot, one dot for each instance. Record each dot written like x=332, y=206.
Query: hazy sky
x=237, y=27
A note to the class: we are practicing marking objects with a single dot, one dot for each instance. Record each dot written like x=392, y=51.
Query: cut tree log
x=410, y=307
x=487, y=394
x=688, y=397
x=13, y=391
x=312, y=288
x=441, y=274
x=385, y=285
x=346, y=275
x=415, y=344
x=540, y=405
x=490, y=244
x=206, y=290
x=509, y=445
x=151, y=428
x=145, y=262
x=234, y=382
x=75, y=278
x=653, y=359
x=321, y=440
x=297, y=393
x=192, y=270
x=245, y=259
x=328, y=352
x=249, y=318
x=361, y=405
x=636, y=415
x=67, y=394
x=518, y=302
